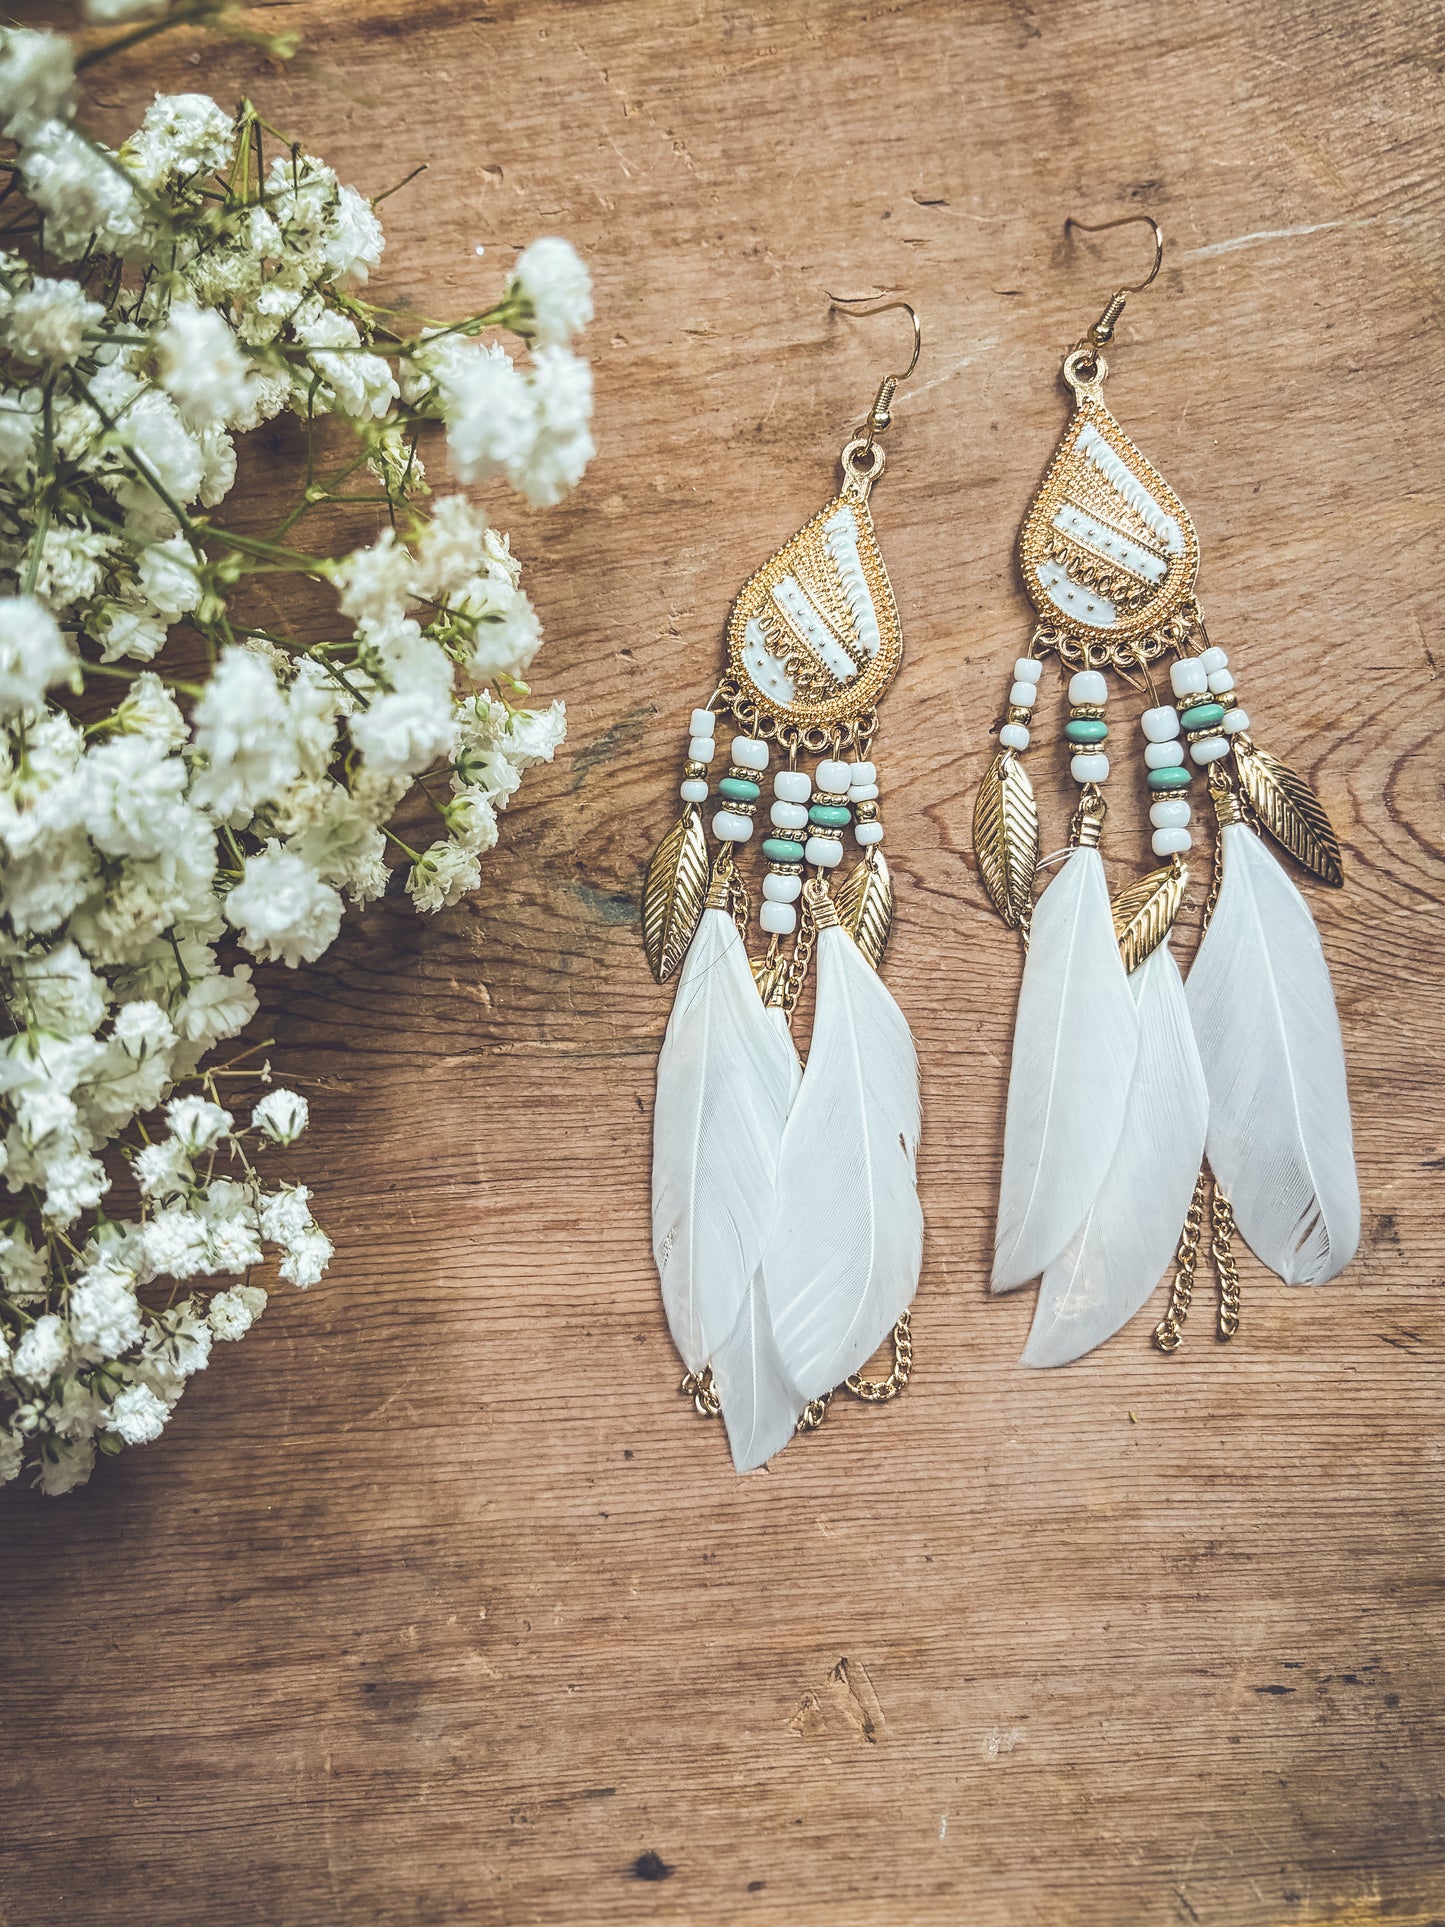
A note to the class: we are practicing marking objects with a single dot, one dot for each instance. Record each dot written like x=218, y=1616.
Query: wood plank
x=434, y=1603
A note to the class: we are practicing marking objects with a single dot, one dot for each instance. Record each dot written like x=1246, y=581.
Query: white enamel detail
x=800, y=615
x=1095, y=611
x=762, y=665
x=841, y=532
x=1161, y=524
x=1110, y=544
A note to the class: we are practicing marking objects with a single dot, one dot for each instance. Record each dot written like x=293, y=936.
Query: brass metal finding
x=859, y=308
x=1103, y=328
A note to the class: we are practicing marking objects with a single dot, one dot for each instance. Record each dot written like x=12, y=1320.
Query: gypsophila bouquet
x=155, y=302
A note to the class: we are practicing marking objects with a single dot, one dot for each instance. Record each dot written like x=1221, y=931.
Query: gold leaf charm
x=865, y=906
x=770, y=974
x=1288, y=808
x=672, y=897
x=1145, y=910
x=1006, y=837
x=814, y=637
x=1107, y=550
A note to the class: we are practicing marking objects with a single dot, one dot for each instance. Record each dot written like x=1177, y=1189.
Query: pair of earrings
x=1143, y=1111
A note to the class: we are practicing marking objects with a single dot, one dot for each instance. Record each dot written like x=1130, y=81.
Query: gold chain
x=1169, y=1332
x=878, y=1391
x=1221, y=1248
x=801, y=958
x=698, y=1386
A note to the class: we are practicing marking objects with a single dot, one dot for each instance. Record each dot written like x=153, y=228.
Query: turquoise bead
x=1168, y=779
x=832, y=816
x=1086, y=729
x=737, y=789
x=1202, y=716
x=782, y=849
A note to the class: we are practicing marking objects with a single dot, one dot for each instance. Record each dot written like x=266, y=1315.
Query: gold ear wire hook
x=859, y=308
x=1103, y=328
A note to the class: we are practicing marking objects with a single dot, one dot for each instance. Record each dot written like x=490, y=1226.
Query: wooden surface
x=435, y=1604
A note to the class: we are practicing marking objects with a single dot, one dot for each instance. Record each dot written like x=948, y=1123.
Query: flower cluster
x=158, y=829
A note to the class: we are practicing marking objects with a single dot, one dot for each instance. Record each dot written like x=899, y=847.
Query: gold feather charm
x=865, y=906
x=1288, y=808
x=1144, y=912
x=673, y=895
x=1006, y=837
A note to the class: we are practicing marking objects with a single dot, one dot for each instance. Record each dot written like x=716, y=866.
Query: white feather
x=1279, y=1137
x=1124, y=1246
x=1075, y=1038
x=842, y=1264
x=761, y=1405
x=725, y=1080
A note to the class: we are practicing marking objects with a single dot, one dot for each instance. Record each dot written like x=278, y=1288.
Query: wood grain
x=435, y=1604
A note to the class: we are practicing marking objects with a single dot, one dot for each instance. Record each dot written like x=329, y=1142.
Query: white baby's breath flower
x=561, y=387
x=182, y=136
x=42, y=1351
x=12, y=1456
x=281, y=1116
x=444, y=875
x=201, y=368
x=451, y=548
x=34, y=655
x=64, y=1464
x=472, y=819
x=506, y=632
x=217, y=1007
x=128, y=632
x=166, y=576
x=19, y=428
x=490, y=411
x=37, y=80
x=137, y=1415
x=46, y=322
x=307, y=1258
x=73, y=1184
x=282, y=909
x=109, y=12
x=230, y=1315
x=105, y=1319
x=162, y=1170
x=533, y=735
x=196, y=1124
x=86, y=201
x=57, y=991
x=407, y=731
x=175, y=1242
x=553, y=290
x=376, y=584
x=243, y=737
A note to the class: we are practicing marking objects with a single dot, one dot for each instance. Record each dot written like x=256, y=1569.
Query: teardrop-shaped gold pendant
x=1108, y=552
x=814, y=637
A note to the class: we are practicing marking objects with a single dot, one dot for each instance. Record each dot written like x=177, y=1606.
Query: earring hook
x=1103, y=328
x=859, y=308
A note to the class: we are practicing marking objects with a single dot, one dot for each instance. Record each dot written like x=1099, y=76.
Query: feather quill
x=761, y=1405
x=1124, y=1245
x=725, y=1079
x=1075, y=1039
x=1279, y=1136
x=842, y=1264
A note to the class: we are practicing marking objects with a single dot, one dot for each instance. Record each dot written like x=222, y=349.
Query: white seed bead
x=703, y=723
x=1027, y=670
x=1092, y=767
x=1236, y=720
x=1209, y=749
x=782, y=889
x=778, y=919
x=792, y=786
x=1169, y=813
x=833, y=777
x=701, y=748
x=750, y=752
x=694, y=790
x=789, y=816
x=1014, y=736
x=729, y=826
x=1219, y=681
x=863, y=793
x=1160, y=725
x=868, y=833
x=825, y=851
x=1088, y=686
x=1164, y=755
x=1212, y=659
x=1171, y=842
x=1022, y=695
x=862, y=773
x=1189, y=677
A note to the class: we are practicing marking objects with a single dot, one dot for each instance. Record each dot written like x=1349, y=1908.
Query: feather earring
x=1123, y=1077
x=786, y=1224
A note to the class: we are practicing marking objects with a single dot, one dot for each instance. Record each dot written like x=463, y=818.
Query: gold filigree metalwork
x=1144, y=912
x=1006, y=837
x=672, y=897
x=1283, y=803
